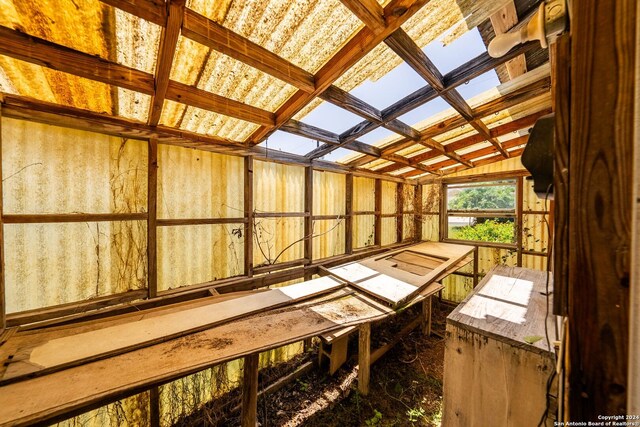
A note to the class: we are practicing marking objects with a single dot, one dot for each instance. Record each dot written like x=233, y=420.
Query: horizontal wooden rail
x=280, y=214
x=72, y=217
x=280, y=266
x=199, y=221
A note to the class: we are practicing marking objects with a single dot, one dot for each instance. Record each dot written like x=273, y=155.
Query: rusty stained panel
x=363, y=231
x=199, y=184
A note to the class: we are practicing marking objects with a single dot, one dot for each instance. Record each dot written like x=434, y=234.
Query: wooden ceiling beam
x=44, y=53
x=453, y=79
x=166, y=53
x=474, y=139
x=24, y=108
x=368, y=11
x=209, y=33
x=191, y=95
x=149, y=10
x=396, y=13
x=410, y=52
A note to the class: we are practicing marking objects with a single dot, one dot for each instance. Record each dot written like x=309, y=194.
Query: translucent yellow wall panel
x=389, y=232
x=132, y=411
x=277, y=240
x=50, y=264
x=329, y=192
x=50, y=169
x=278, y=187
x=330, y=238
x=431, y=227
x=534, y=262
x=408, y=227
x=364, y=194
x=199, y=184
x=192, y=254
x=363, y=231
x=535, y=235
x=389, y=191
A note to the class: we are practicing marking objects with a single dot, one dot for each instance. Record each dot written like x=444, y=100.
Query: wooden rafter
x=469, y=70
x=209, y=33
x=166, y=52
x=149, y=10
x=396, y=13
x=38, y=51
x=368, y=11
x=410, y=52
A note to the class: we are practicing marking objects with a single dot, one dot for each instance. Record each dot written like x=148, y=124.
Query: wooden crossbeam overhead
x=368, y=11
x=456, y=77
x=149, y=10
x=209, y=33
x=396, y=13
x=41, y=52
x=408, y=50
x=503, y=102
x=166, y=52
x=474, y=139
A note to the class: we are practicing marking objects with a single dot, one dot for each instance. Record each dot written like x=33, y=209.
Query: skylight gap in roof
x=462, y=50
x=337, y=154
x=480, y=84
x=393, y=86
x=289, y=143
x=332, y=118
x=377, y=135
x=425, y=111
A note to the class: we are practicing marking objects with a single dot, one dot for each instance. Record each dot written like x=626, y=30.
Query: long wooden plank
x=149, y=10
x=210, y=33
x=152, y=212
x=78, y=389
x=3, y=308
x=42, y=52
x=106, y=342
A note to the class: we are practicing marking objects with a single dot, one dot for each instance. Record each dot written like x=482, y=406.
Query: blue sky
x=395, y=85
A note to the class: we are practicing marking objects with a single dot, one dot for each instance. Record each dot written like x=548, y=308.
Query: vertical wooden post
x=377, y=234
x=364, y=357
x=426, y=316
x=476, y=260
x=154, y=407
x=444, y=223
x=417, y=213
x=3, y=308
x=633, y=404
x=399, y=211
x=348, y=228
x=250, y=391
x=560, y=58
x=601, y=156
x=518, y=227
x=308, y=220
x=152, y=212
x=248, y=214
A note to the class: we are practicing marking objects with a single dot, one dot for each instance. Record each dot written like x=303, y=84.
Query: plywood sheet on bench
x=108, y=379
x=398, y=276
x=114, y=339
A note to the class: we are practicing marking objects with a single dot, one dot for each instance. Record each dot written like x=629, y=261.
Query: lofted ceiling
x=223, y=75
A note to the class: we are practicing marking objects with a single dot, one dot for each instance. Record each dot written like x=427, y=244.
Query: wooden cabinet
x=497, y=361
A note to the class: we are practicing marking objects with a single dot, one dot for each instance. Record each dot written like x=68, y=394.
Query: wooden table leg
x=338, y=353
x=364, y=358
x=250, y=391
x=426, y=316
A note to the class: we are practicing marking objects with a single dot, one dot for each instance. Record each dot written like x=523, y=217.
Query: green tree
x=487, y=231
x=484, y=198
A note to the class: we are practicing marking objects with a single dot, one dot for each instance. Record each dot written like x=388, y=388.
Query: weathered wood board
x=492, y=375
x=57, y=353
x=397, y=277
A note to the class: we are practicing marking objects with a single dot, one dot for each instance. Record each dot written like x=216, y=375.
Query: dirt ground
x=405, y=386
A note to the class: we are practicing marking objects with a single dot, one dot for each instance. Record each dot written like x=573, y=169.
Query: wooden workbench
x=62, y=393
